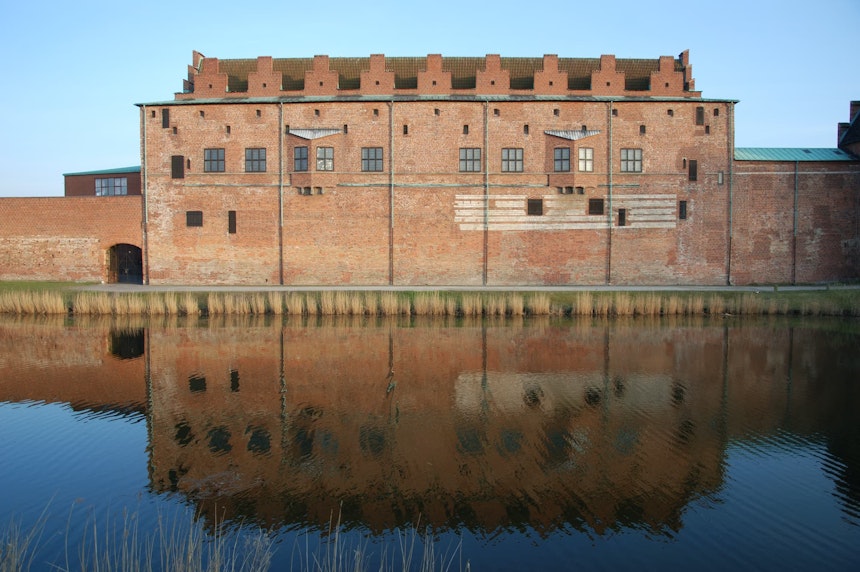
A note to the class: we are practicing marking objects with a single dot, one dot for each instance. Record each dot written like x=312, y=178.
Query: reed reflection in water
x=533, y=426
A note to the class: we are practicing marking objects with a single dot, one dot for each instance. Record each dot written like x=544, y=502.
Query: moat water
x=560, y=444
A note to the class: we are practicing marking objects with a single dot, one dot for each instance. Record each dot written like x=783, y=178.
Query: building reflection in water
x=488, y=426
x=536, y=424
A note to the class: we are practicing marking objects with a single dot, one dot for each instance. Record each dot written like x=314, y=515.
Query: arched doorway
x=125, y=264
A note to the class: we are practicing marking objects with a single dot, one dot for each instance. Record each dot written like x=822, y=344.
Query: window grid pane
x=371, y=159
x=512, y=160
x=300, y=159
x=325, y=158
x=111, y=186
x=631, y=160
x=255, y=160
x=213, y=160
x=562, y=159
x=470, y=160
x=586, y=159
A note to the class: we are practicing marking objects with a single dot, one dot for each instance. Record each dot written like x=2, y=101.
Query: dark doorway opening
x=126, y=264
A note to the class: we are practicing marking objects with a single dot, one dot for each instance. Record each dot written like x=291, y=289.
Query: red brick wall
x=50, y=361
x=435, y=234
x=827, y=245
x=64, y=238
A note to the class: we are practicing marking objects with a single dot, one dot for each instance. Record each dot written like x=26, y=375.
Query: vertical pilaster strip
x=280, y=194
x=731, y=158
x=609, y=198
x=144, y=193
x=391, y=193
x=794, y=223
x=486, y=232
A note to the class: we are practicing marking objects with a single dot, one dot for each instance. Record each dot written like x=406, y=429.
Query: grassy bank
x=38, y=299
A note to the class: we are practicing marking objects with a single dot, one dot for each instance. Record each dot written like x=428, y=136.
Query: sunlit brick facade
x=458, y=171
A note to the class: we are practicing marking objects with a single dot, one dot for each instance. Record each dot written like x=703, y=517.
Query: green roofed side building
x=790, y=154
x=793, y=210
x=103, y=183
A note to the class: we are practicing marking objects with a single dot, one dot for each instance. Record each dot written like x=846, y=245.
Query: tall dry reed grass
x=466, y=304
x=27, y=302
x=388, y=304
x=471, y=305
x=539, y=304
x=295, y=304
x=275, y=301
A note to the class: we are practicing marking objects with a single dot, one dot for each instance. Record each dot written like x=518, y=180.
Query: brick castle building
x=450, y=171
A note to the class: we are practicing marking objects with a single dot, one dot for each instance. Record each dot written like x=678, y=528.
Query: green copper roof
x=791, y=154
x=120, y=171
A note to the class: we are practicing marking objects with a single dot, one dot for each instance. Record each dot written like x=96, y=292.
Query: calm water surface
x=563, y=444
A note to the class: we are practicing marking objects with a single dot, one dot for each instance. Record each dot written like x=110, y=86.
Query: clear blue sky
x=73, y=71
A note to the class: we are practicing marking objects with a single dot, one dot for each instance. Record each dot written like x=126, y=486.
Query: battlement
x=492, y=75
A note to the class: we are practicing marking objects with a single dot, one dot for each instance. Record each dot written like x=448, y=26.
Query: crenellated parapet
x=492, y=75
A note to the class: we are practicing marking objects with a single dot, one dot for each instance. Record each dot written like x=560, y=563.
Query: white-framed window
x=325, y=158
x=586, y=159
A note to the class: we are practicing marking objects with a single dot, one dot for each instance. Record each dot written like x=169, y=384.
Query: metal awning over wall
x=573, y=135
x=313, y=133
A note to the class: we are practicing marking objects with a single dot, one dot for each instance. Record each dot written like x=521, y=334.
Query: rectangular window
x=300, y=159
x=682, y=210
x=470, y=160
x=586, y=159
x=177, y=167
x=213, y=160
x=325, y=158
x=165, y=118
x=535, y=207
x=622, y=217
x=694, y=170
x=111, y=186
x=512, y=160
x=561, y=159
x=193, y=218
x=231, y=222
x=700, y=116
x=595, y=206
x=631, y=160
x=371, y=158
x=255, y=160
